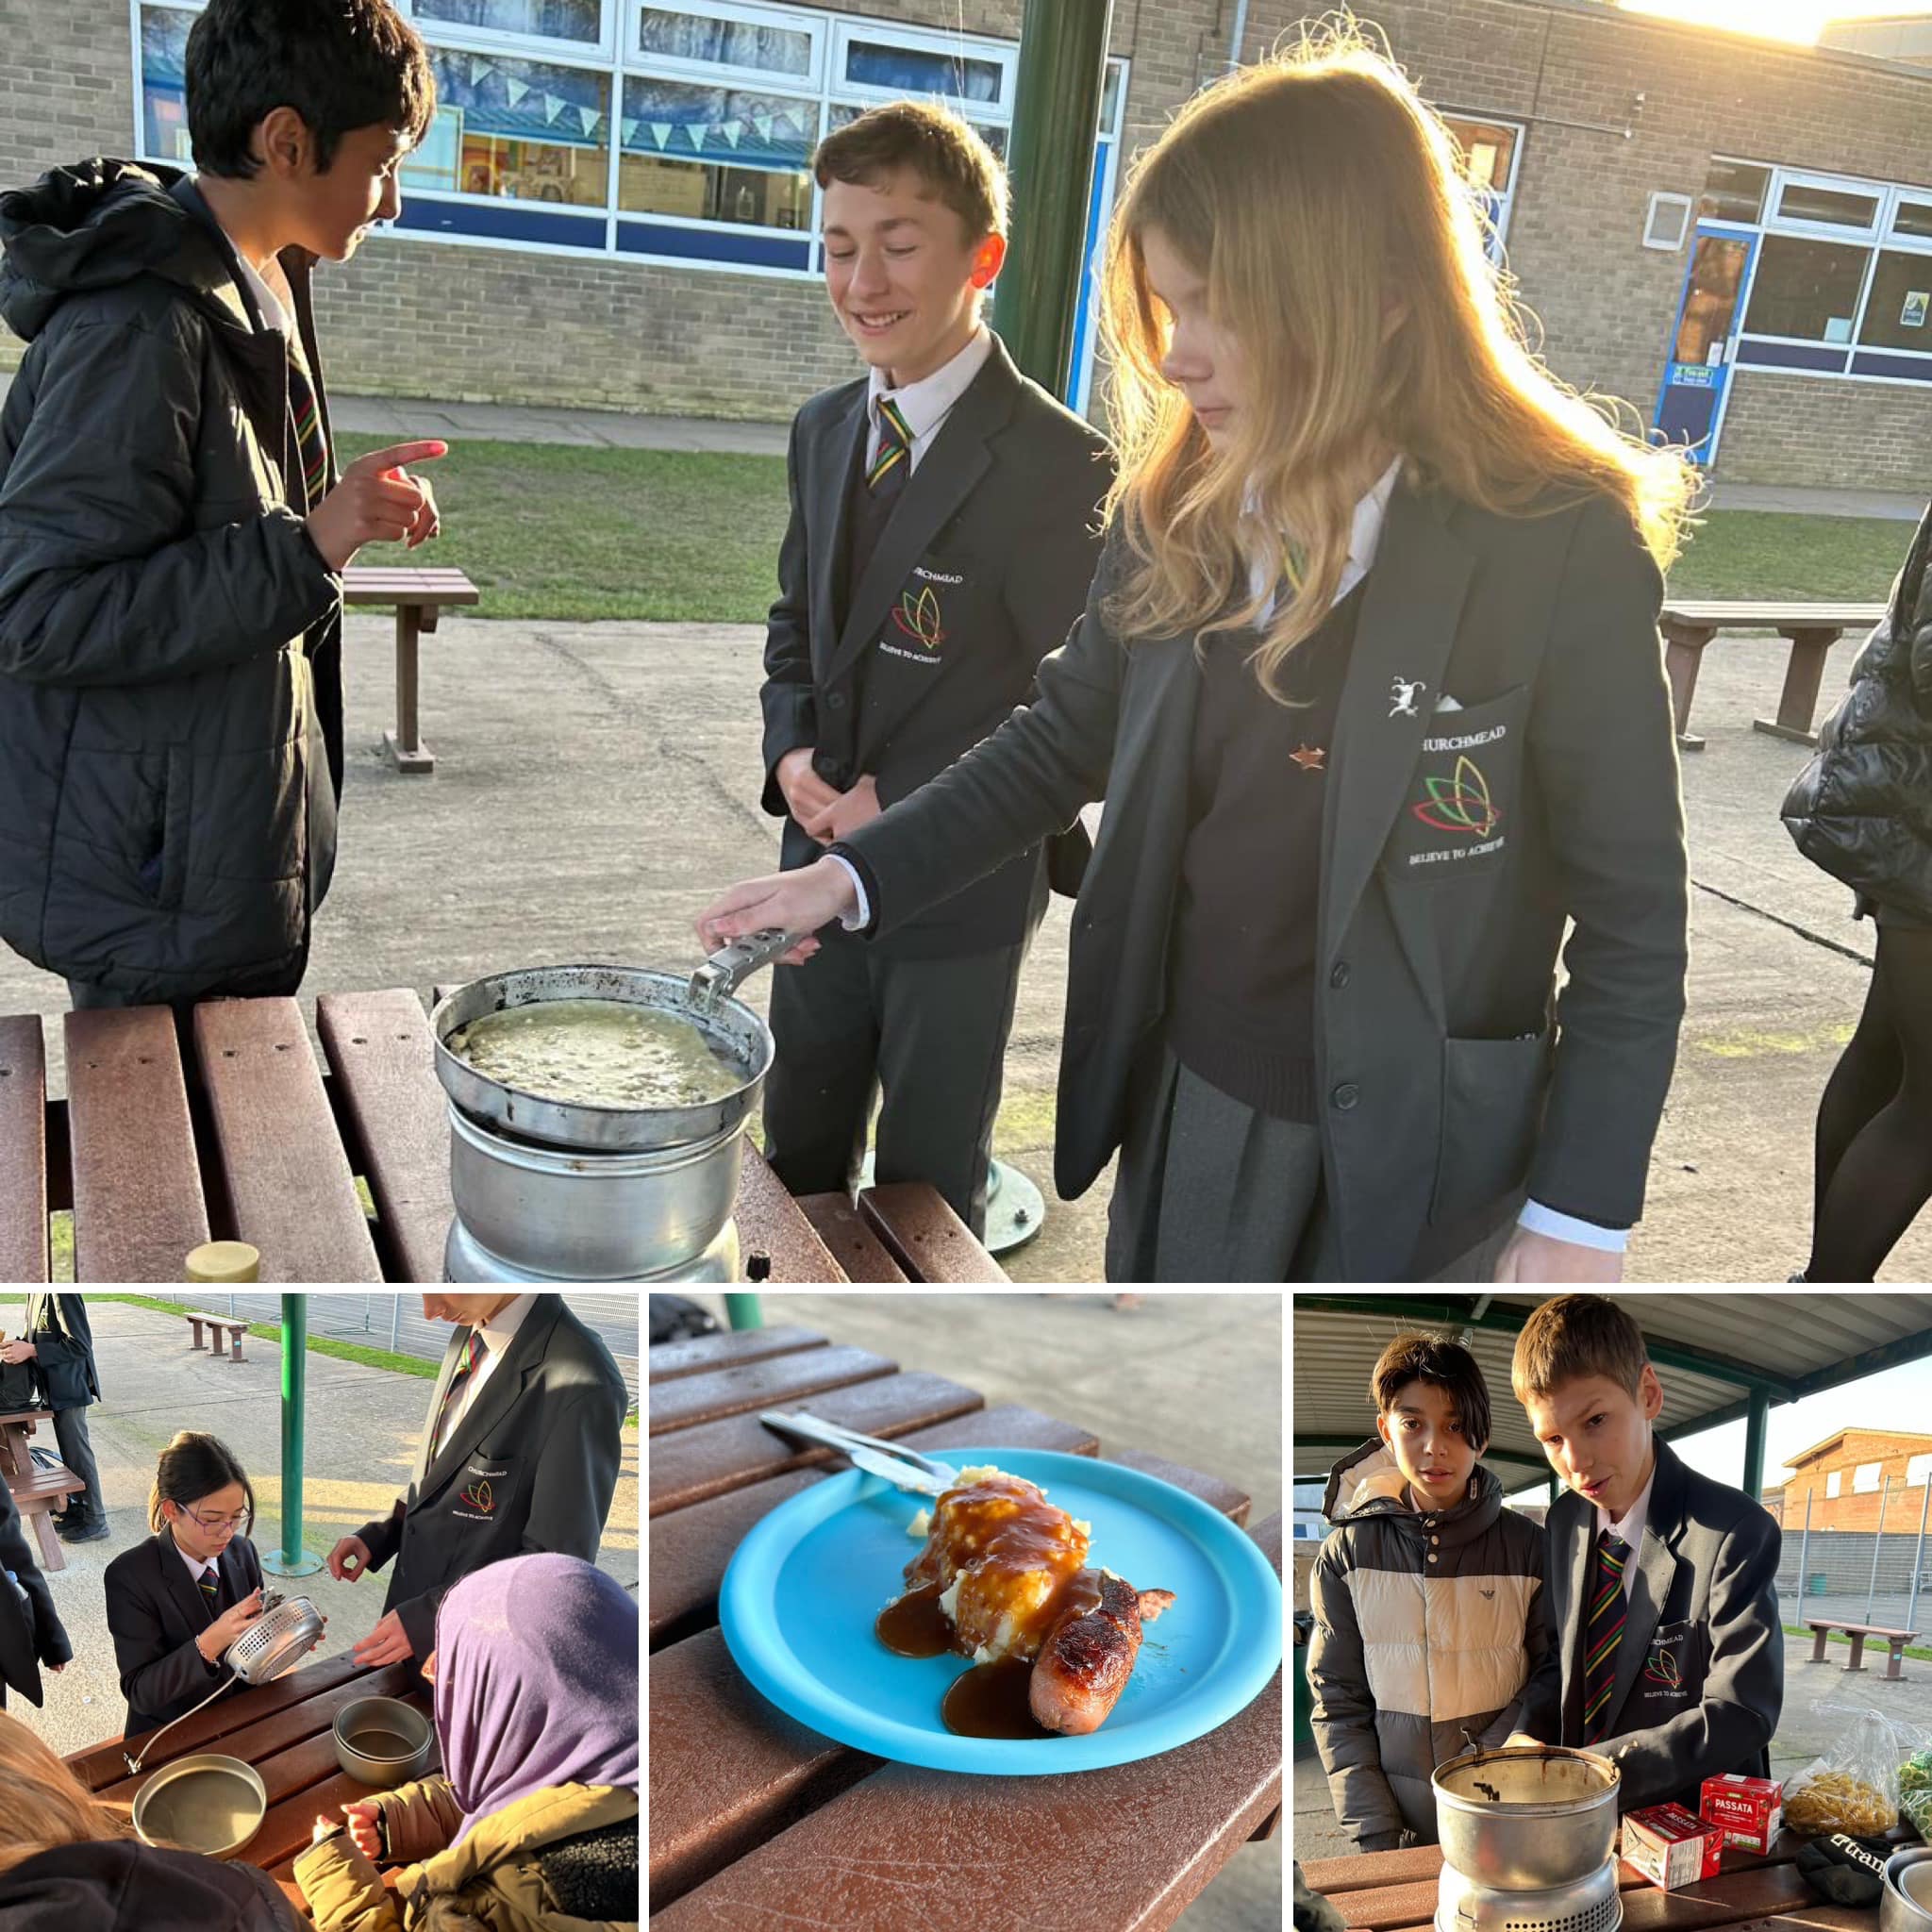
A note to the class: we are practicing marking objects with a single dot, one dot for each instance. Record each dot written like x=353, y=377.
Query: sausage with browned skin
x=1089, y=1654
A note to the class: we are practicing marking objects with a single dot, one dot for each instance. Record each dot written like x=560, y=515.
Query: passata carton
x=1750, y=1809
x=1666, y=1845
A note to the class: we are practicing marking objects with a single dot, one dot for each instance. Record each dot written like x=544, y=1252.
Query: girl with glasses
x=178, y=1601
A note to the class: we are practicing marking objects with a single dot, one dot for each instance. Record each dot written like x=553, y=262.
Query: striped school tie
x=211, y=1587
x=311, y=444
x=894, y=461
x=1603, y=1632
x=452, y=1394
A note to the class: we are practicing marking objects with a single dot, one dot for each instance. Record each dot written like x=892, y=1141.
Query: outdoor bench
x=1895, y=1641
x=419, y=597
x=218, y=1326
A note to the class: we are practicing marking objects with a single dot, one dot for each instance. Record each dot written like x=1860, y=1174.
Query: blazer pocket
x=482, y=1491
x=1672, y=1670
x=1458, y=819
x=1492, y=1110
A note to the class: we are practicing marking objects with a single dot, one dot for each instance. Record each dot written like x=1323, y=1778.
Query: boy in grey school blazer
x=1700, y=1676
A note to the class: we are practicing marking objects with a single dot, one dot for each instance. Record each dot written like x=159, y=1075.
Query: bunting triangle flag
x=733, y=131
x=480, y=69
x=552, y=108
x=630, y=131
x=697, y=130
x=590, y=117
x=660, y=132
x=763, y=123
x=516, y=88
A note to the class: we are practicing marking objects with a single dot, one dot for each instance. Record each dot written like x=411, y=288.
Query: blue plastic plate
x=799, y=1601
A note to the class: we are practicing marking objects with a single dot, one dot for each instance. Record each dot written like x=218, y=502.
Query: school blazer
x=30, y=1627
x=155, y=1612
x=1701, y=1663
x=982, y=571
x=532, y=1466
x=1456, y=843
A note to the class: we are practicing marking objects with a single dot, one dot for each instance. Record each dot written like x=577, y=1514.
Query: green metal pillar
x=1755, y=1428
x=292, y=1559
x=1556, y=1487
x=743, y=1311
x=1050, y=158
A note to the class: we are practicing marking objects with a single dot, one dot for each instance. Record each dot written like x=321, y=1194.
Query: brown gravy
x=991, y=1701
x=914, y=1625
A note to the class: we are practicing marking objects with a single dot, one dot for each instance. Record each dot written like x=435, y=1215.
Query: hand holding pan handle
x=727, y=968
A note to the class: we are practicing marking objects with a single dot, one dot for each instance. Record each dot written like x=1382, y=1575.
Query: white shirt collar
x=274, y=316
x=197, y=1568
x=926, y=404
x=501, y=1329
x=1364, y=537
x=1628, y=1528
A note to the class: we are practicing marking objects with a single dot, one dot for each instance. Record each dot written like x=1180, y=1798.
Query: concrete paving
x=1195, y=1378
x=363, y=1426
x=1817, y=1698
x=597, y=784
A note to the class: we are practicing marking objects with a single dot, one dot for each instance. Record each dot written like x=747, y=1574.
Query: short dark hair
x=341, y=64
x=1445, y=1365
x=193, y=1466
x=945, y=152
x=1573, y=1336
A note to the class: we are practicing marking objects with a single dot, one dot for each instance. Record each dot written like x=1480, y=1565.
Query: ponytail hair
x=193, y=1466
x=46, y=1806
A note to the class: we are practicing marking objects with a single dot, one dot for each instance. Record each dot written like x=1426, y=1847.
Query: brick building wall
x=1606, y=303
x=1850, y=1509
x=414, y=316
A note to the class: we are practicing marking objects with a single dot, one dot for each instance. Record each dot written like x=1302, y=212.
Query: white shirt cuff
x=854, y=921
x=1566, y=1227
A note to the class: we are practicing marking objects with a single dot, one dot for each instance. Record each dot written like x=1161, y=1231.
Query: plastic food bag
x=1855, y=1787
x=1915, y=1792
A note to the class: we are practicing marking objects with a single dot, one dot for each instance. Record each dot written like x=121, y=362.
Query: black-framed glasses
x=215, y=1524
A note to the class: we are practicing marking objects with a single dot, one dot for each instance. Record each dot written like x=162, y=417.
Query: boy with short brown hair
x=1663, y=1583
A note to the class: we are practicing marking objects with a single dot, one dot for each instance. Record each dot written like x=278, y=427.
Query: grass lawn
x=550, y=530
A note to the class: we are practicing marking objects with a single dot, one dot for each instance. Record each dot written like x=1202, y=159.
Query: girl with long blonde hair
x=1370, y=681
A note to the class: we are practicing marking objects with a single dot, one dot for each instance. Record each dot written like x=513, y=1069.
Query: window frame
x=847, y=27
x=632, y=60
x=458, y=37
x=1505, y=196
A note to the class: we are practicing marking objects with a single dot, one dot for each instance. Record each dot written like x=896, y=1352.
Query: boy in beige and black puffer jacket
x=1432, y=1635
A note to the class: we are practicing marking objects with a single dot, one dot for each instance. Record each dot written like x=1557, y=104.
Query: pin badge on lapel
x=1404, y=692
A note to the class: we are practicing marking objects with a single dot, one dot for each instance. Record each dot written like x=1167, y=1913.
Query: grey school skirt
x=1208, y=1190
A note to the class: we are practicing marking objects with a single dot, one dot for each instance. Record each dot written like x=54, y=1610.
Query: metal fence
x=396, y=1322
x=1880, y=1576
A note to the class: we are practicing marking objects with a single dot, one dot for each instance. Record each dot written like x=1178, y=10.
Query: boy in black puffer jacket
x=1432, y=1634
x=173, y=529
x=1863, y=810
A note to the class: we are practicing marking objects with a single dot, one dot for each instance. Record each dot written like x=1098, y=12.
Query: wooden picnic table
x=1395, y=1892
x=283, y=1730
x=419, y=597
x=36, y=1491
x=270, y=1151
x=757, y=1820
x=1809, y=629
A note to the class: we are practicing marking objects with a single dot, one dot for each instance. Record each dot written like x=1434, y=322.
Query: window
x=1895, y=311
x=522, y=130
x=1805, y=289
x=1835, y=208
x=549, y=20
x=762, y=46
x=1489, y=155
x=717, y=154
x=1913, y=218
x=1917, y=1471
x=1832, y=1481
x=1865, y=1478
x=888, y=65
x=1733, y=191
x=164, y=91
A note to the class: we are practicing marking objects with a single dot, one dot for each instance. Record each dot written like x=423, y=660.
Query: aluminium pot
x=1906, y=1903
x=382, y=1740
x=1527, y=1818
x=548, y=1188
x=210, y=1803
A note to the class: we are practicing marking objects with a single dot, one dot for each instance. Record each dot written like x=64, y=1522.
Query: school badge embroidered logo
x=1662, y=1666
x=918, y=616
x=479, y=1497
x=1459, y=803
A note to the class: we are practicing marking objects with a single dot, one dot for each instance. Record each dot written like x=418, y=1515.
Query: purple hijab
x=536, y=1682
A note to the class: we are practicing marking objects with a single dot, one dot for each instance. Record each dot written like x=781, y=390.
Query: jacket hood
x=120, y=1885
x=1369, y=1482
x=96, y=225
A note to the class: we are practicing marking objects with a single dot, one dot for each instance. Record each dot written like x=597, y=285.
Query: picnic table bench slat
x=842, y=1224
x=382, y=1055
x=139, y=1207
x=883, y=1855
x=775, y=1242
x=24, y=1255
x=924, y=1237
x=697, y=1354
x=779, y=1382
x=690, y=1548
x=288, y=1177
x=691, y=1464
